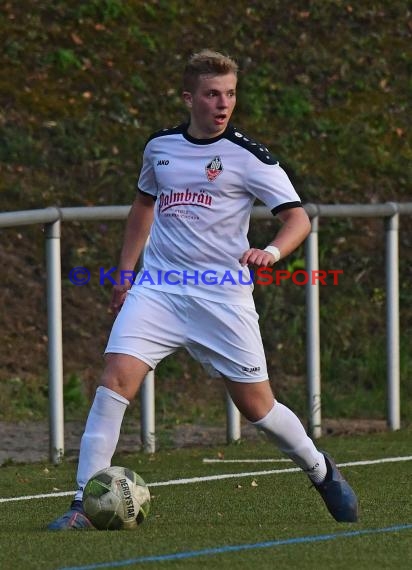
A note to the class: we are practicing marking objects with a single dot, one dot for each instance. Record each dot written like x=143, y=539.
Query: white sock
x=101, y=435
x=285, y=429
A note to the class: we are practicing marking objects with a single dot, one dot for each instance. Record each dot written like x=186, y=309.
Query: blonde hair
x=206, y=62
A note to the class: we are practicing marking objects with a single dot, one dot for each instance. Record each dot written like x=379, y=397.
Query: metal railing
x=53, y=217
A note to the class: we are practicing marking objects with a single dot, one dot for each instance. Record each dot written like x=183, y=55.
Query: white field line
x=206, y=460
x=218, y=477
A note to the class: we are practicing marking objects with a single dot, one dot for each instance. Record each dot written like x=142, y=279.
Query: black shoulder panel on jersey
x=257, y=149
x=164, y=132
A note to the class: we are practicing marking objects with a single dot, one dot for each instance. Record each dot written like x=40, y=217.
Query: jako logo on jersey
x=214, y=168
x=186, y=198
x=162, y=162
x=253, y=369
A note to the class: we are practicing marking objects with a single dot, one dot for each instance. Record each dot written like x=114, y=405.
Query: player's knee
x=121, y=380
x=119, y=385
x=124, y=374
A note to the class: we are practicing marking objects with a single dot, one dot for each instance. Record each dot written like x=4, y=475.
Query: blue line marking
x=239, y=547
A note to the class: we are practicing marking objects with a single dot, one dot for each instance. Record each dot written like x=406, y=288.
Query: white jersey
x=204, y=191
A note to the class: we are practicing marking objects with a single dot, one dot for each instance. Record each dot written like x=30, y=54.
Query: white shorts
x=224, y=338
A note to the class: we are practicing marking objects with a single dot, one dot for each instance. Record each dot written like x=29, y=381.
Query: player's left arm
x=293, y=231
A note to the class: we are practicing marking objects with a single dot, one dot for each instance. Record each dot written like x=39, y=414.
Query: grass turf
x=242, y=510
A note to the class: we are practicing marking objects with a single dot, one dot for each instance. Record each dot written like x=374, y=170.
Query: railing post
x=233, y=431
x=313, y=333
x=147, y=399
x=147, y=413
x=392, y=320
x=55, y=341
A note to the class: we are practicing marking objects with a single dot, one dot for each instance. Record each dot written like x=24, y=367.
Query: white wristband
x=274, y=251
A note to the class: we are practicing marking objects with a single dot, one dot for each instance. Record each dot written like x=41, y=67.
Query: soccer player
x=195, y=195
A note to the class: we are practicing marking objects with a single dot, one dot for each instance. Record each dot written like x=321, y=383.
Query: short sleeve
x=271, y=185
x=147, y=180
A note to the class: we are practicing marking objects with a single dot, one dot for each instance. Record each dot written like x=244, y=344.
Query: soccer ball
x=116, y=498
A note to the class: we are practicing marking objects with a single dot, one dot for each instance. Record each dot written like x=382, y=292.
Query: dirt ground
x=28, y=442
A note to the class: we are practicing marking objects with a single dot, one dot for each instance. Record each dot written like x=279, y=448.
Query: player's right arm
x=136, y=233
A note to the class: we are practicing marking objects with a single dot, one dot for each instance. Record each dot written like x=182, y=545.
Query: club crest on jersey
x=214, y=168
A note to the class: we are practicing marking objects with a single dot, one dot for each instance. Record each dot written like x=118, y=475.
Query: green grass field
x=246, y=520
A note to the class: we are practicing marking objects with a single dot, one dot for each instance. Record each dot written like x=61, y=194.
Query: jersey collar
x=191, y=139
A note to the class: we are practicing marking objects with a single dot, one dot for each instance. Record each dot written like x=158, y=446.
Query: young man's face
x=211, y=105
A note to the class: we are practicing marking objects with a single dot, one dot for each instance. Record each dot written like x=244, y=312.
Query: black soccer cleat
x=337, y=494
